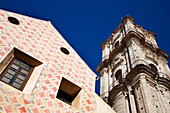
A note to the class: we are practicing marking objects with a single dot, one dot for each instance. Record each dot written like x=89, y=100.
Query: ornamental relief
x=151, y=59
x=117, y=64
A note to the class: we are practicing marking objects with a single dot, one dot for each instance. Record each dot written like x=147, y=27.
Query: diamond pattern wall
x=43, y=41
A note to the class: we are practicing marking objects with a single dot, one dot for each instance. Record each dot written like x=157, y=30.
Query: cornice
x=164, y=82
x=124, y=20
x=120, y=48
x=103, y=44
x=102, y=65
x=116, y=50
x=141, y=68
x=112, y=94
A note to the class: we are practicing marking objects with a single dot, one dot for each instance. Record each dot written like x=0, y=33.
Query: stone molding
x=121, y=47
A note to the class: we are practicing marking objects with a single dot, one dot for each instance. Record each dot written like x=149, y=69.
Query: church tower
x=134, y=72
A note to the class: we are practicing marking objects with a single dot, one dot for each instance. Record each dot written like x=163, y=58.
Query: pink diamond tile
x=50, y=103
x=88, y=101
x=8, y=109
x=41, y=94
x=4, y=37
x=47, y=81
x=1, y=42
x=49, y=75
x=88, y=108
x=13, y=100
x=38, y=102
x=1, y=99
x=44, y=88
x=22, y=110
x=60, y=104
x=26, y=102
x=52, y=96
x=1, y=27
x=47, y=111
x=58, y=111
x=54, y=89
x=35, y=110
x=2, y=53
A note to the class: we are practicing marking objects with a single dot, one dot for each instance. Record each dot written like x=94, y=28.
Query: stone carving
x=136, y=52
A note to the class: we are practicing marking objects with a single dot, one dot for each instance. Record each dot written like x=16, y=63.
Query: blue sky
x=85, y=24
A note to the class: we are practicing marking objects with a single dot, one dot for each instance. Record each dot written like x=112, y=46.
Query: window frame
x=26, y=77
x=25, y=57
x=65, y=87
x=117, y=44
x=153, y=67
x=118, y=75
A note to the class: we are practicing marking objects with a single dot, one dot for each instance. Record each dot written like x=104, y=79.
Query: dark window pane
x=28, y=68
x=16, y=73
x=21, y=77
x=19, y=81
x=5, y=79
x=116, y=44
x=11, y=72
x=16, y=85
x=23, y=65
x=65, y=97
x=13, y=78
x=23, y=71
x=118, y=74
x=14, y=66
x=8, y=75
x=16, y=61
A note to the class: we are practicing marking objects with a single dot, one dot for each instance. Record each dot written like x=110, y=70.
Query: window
x=17, y=73
x=118, y=75
x=64, y=50
x=16, y=69
x=116, y=44
x=67, y=91
x=153, y=68
x=13, y=20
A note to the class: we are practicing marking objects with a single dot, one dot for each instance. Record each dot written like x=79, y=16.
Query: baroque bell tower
x=134, y=72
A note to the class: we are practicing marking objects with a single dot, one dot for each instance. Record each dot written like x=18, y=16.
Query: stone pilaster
x=146, y=95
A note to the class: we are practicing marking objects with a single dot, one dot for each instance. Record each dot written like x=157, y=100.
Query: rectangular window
x=68, y=91
x=16, y=73
x=20, y=70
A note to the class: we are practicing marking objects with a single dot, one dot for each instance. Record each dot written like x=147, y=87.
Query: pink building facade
x=56, y=66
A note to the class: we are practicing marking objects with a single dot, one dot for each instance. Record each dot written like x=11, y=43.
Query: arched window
x=118, y=75
x=116, y=44
x=153, y=67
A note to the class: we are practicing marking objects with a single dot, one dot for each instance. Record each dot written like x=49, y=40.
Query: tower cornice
x=124, y=20
x=123, y=45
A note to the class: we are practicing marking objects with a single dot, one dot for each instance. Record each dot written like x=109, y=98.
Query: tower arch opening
x=153, y=68
x=118, y=75
x=116, y=44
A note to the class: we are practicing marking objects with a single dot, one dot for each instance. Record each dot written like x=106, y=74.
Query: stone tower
x=134, y=72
